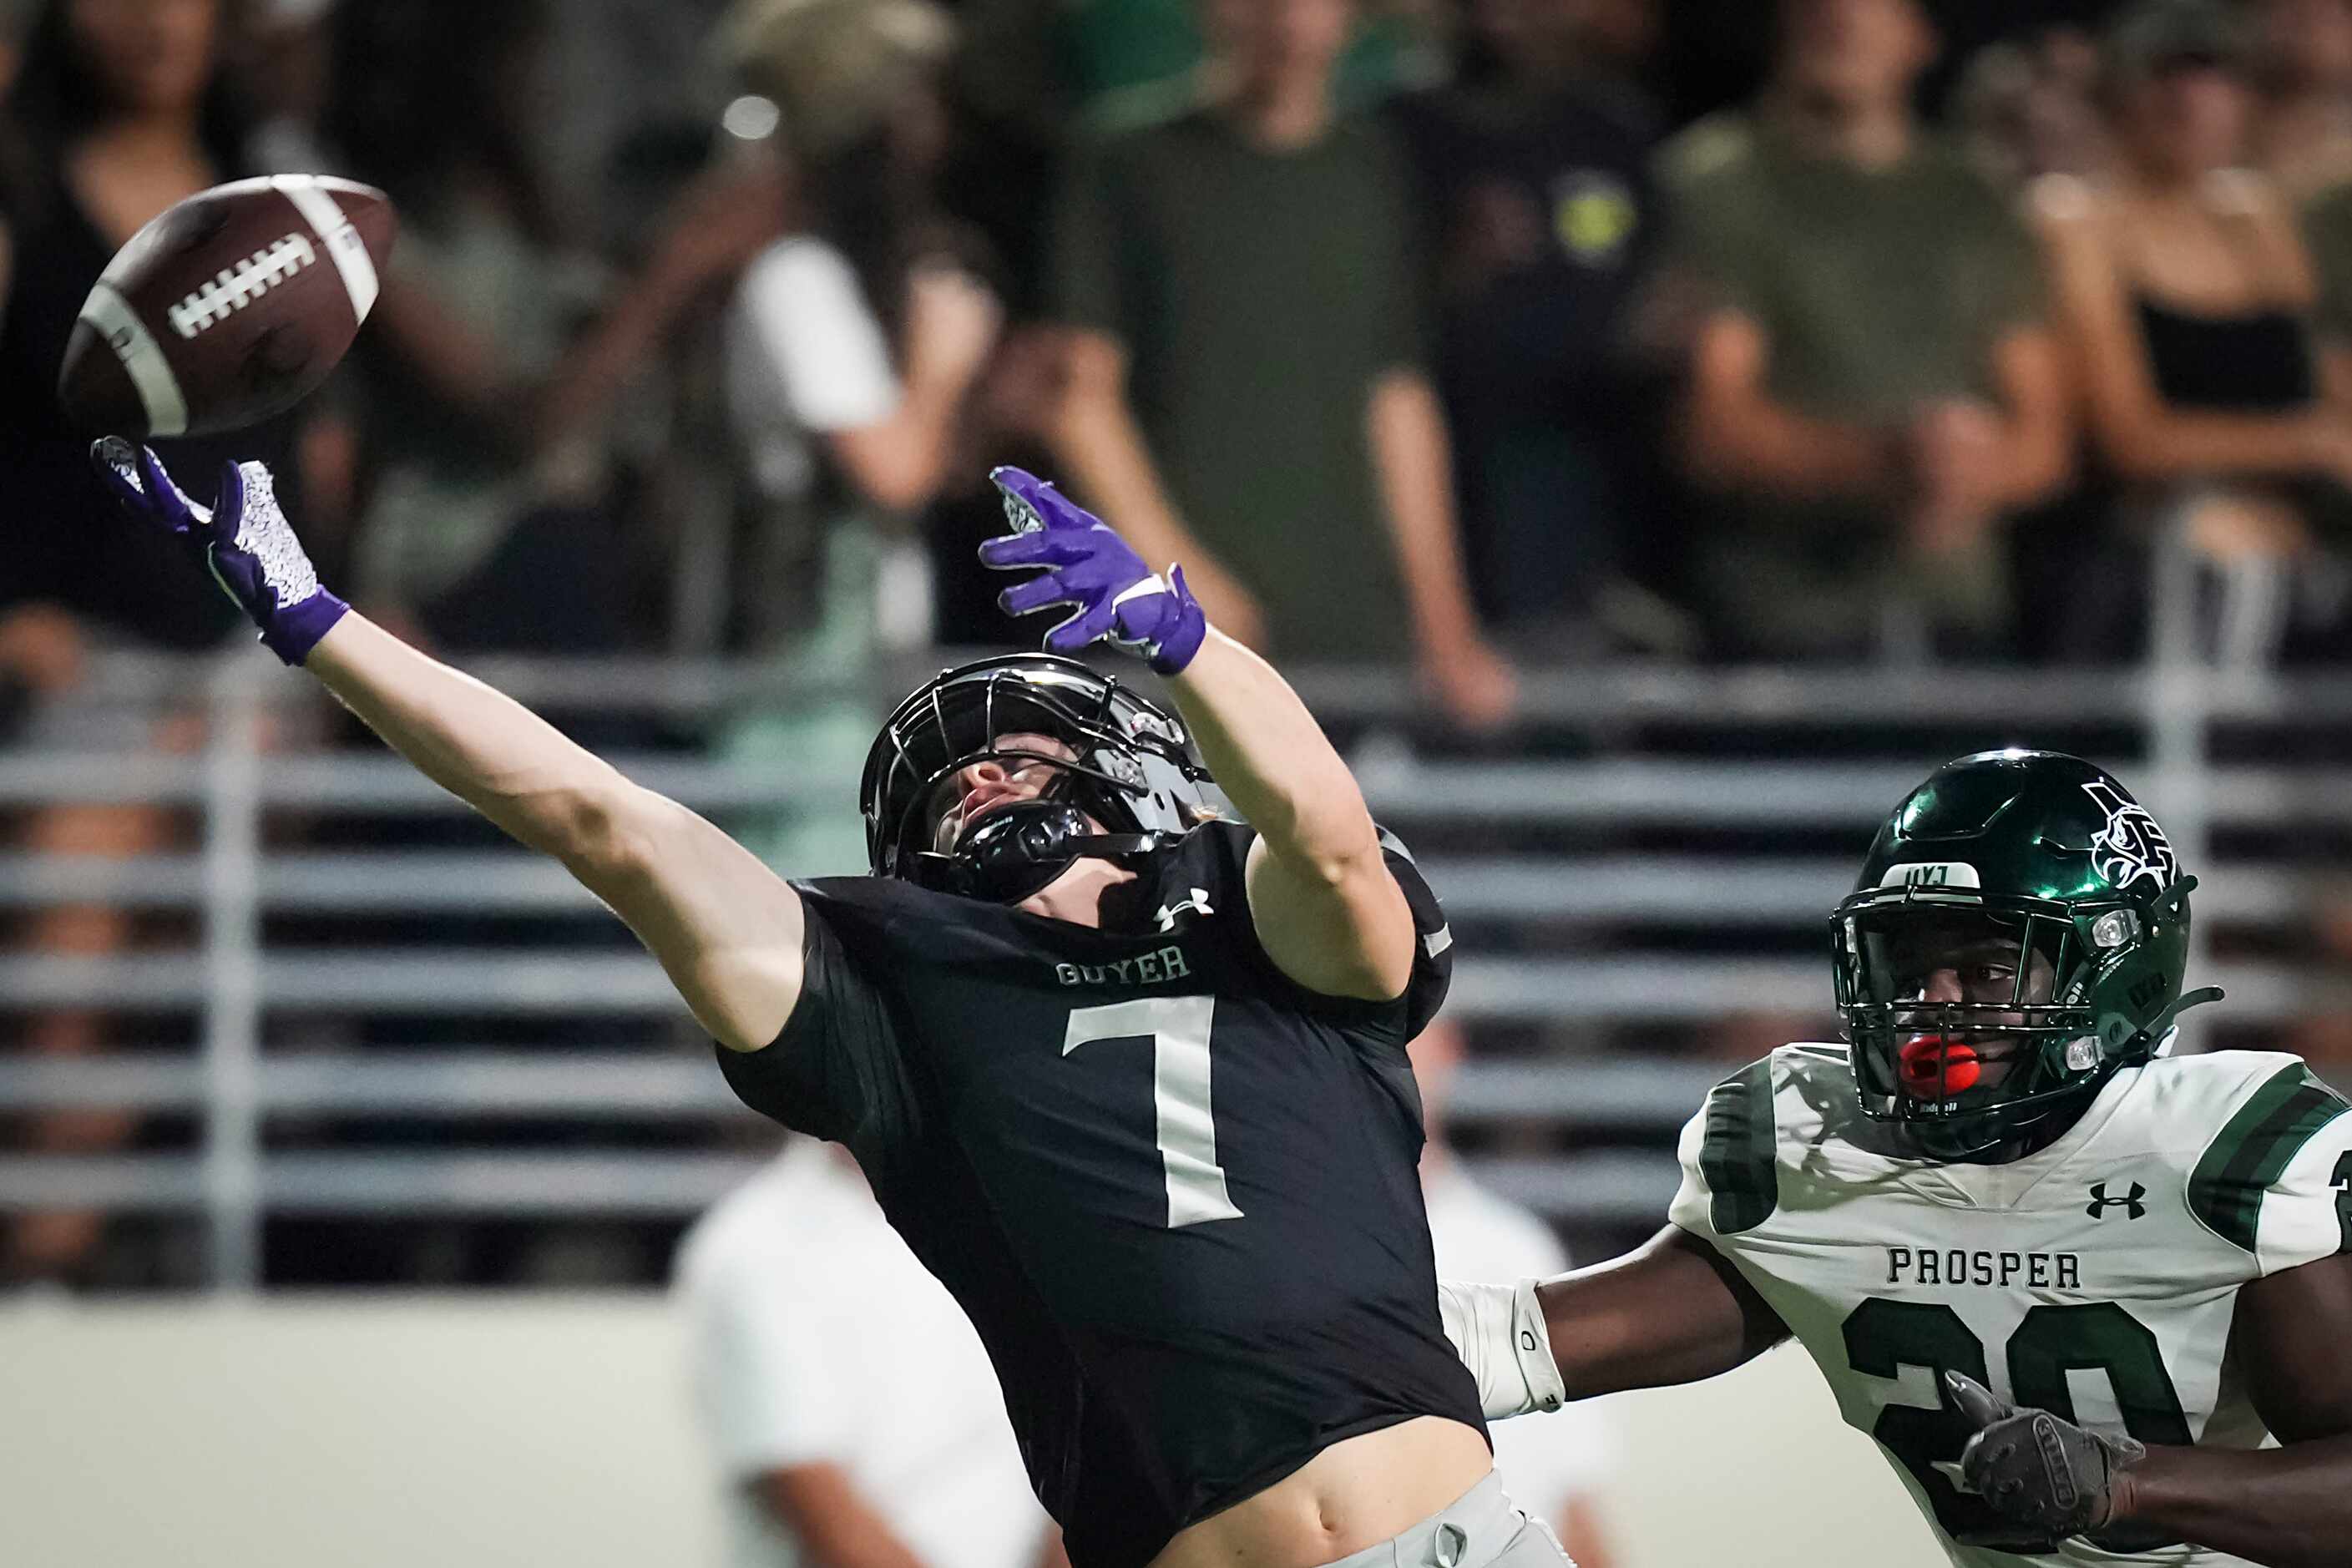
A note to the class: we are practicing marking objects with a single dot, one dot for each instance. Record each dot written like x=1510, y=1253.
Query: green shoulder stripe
x=1739, y=1154
x=2261, y=1140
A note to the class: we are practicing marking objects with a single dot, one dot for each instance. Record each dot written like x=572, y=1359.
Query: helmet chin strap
x=2197, y=998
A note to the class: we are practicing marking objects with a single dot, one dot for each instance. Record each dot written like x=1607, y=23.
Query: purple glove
x=1120, y=600
x=243, y=539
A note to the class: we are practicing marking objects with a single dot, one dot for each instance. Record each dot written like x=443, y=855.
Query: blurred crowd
x=1467, y=335
x=1454, y=327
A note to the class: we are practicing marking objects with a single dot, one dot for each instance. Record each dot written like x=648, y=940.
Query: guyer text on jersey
x=1150, y=969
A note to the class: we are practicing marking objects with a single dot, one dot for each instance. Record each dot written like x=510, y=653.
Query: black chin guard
x=1016, y=851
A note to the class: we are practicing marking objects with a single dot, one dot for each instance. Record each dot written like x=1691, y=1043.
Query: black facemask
x=1017, y=850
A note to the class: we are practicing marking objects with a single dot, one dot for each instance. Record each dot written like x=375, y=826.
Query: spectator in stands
x=856, y=339
x=1556, y=1468
x=1872, y=384
x=2303, y=67
x=2024, y=110
x=854, y=347
x=488, y=430
x=121, y=109
x=2187, y=299
x=118, y=110
x=1000, y=181
x=855, y=1419
x=1536, y=183
x=1247, y=385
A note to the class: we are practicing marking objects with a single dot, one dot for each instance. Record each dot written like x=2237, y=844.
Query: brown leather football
x=228, y=309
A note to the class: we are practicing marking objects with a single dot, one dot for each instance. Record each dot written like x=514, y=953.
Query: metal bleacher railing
x=1658, y=856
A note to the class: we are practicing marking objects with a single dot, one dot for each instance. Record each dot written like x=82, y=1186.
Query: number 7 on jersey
x=1179, y=1027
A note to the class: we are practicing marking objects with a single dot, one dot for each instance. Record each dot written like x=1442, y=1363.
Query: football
x=228, y=309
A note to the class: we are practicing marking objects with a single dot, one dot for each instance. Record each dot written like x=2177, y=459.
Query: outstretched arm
x=727, y=930
x=1672, y=1311
x=1324, y=905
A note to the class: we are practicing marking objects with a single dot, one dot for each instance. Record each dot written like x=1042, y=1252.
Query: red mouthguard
x=1936, y=1069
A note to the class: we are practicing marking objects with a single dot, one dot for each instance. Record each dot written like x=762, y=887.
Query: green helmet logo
x=2131, y=847
x=2019, y=933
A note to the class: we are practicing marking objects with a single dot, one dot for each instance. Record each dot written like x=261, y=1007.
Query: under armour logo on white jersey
x=1198, y=903
x=2131, y=1206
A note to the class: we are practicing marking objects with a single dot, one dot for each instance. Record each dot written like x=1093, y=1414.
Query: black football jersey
x=1177, y=1193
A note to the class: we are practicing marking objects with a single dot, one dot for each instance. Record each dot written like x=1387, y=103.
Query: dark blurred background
x=1654, y=434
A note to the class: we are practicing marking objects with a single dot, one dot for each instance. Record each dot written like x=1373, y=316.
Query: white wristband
x=1498, y=1331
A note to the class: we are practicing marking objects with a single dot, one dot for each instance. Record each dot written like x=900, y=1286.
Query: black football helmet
x=2056, y=892
x=1132, y=770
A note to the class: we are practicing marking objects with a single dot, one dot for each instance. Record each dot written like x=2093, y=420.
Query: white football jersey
x=2097, y=1279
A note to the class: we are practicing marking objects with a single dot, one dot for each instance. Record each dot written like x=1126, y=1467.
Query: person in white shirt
x=852, y=347
x=1552, y=1469
x=852, y=344
x=852, y=1411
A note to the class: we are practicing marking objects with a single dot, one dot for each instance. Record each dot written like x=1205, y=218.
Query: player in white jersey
x=2094, y=1302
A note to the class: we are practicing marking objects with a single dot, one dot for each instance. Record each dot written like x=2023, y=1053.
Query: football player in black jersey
x=1128, y=1076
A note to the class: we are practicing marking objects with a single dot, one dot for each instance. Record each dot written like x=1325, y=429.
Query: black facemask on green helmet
x=2019, y=935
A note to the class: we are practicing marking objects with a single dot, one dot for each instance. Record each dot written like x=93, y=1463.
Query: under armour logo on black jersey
x=1198, y=903
x=2100, y=1202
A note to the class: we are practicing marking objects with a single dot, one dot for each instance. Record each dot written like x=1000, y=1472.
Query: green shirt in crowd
x=1259, y=295
x=1878, y=291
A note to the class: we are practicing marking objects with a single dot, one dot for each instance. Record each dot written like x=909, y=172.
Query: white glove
x=1498, y=1331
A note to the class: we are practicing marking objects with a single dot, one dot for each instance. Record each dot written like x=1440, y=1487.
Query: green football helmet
x=2018, y=934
